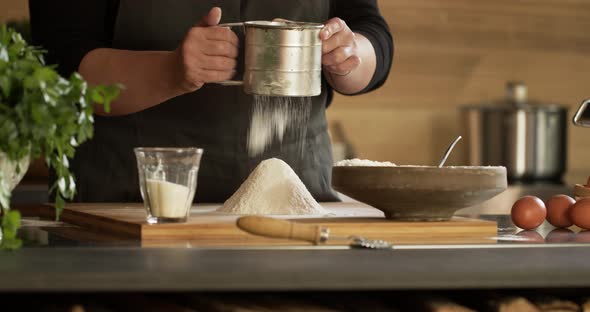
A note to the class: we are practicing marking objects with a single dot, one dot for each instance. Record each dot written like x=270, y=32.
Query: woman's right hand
x=207, y=54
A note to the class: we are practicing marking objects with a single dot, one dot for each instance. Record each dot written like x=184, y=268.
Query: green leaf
x=59, y=205
x=11, y=243
x=39, y=113
x=45, y=74
x=10, y=223
x=5, y=85
x=96, y=96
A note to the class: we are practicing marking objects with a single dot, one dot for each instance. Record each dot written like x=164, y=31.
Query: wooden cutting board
x=209, y=228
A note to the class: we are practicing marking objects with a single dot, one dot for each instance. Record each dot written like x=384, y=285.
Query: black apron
x=215, y=118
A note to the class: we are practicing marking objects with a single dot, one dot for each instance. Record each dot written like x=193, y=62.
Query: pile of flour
x=273, y=188
x=363, y=163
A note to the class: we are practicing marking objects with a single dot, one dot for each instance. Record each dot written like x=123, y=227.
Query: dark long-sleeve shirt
x=69, y=29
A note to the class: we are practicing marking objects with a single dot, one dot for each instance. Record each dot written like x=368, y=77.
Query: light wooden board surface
x=206, y=227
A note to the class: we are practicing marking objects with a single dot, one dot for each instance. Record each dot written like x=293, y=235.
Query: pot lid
x=516, y=98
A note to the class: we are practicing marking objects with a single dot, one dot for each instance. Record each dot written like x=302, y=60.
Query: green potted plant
x=41, y=114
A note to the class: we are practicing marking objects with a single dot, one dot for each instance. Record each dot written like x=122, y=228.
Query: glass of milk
x=168, y=181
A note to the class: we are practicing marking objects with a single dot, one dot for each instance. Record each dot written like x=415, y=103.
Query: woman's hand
x=339, y=48
x=348, y=58
x=207, y=54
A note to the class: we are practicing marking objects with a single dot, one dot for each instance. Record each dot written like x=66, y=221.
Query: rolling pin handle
x=270, y=227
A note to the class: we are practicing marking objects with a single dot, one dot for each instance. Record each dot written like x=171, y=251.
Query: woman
x=168, y=54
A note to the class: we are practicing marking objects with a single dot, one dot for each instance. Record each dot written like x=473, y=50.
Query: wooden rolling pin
x=276, y=228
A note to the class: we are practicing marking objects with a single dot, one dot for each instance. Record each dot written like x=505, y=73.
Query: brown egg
x=580, y=213
x=558, y=210
x=528, y=212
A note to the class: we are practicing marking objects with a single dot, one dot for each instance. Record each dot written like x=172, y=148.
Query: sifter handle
x=230, y=82
x=275, y=228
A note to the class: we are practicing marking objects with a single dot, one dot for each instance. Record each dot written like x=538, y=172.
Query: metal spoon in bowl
x=448, y=152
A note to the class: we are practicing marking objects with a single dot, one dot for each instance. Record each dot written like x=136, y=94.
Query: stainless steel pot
x=281, y=58
x=528, y=138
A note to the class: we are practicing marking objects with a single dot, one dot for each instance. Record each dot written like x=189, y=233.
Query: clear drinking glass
x=168, y=181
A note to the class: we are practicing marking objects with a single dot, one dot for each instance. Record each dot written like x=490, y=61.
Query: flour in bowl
x=363, y=163
x=273, y=188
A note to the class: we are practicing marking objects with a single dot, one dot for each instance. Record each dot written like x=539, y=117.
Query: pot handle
x=231, y=82
x=578, y=117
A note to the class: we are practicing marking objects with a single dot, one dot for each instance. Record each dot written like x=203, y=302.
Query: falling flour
x=273, y=188
x=363, y=163
x=272, y=116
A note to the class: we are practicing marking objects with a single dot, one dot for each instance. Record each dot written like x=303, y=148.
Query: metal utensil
x=281, y=58
x=313, y=233
x=448, y=151
x=361, y=242
x=582, y=116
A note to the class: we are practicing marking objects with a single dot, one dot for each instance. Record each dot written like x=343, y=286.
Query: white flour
x=363, y=163
x=167, y=199
x=273, y=188
x=272, y=116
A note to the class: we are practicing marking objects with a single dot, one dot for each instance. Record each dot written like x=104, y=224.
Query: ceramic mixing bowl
x=420, y=193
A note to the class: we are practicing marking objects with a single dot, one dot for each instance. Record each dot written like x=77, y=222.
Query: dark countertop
x=52, y=262
x=134, y=269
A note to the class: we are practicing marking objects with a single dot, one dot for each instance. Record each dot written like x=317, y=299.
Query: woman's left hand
x=339, y=48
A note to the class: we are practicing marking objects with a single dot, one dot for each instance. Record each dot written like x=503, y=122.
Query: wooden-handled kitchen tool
x=275, y=228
